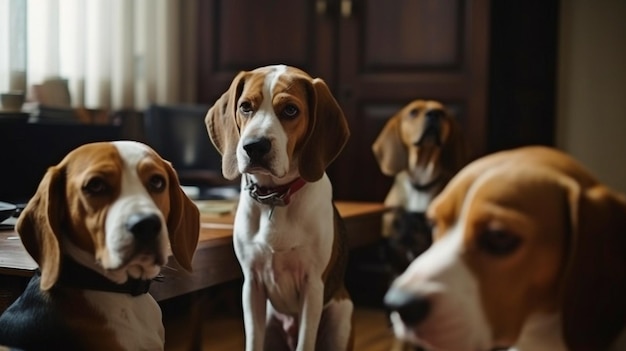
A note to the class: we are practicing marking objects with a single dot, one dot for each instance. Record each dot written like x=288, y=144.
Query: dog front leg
x=254, y=309
x=312, y=304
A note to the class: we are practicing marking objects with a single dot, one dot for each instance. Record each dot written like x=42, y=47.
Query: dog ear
x=594, y=308
x=390, y=153
x=327, y=133
x=39, y=225
x=221, y=123
x=183, y=222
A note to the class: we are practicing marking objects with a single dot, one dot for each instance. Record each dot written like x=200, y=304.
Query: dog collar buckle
x=279, y=196
x=270, y=199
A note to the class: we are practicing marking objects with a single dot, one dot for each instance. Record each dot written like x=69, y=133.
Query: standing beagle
x=529, y=252
x=422, y=148
x=281, y=128
x=100, y=227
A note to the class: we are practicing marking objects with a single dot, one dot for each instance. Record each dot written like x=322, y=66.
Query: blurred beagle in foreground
x=281, y=128
x=100, y=227
x=421, y=146
x=529, y=252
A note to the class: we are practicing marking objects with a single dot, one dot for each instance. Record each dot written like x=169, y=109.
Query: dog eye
x=245, y=107
x=96, y=186
x=157, y=183
x=498, y=242
x=290, y=111
x=414, y=112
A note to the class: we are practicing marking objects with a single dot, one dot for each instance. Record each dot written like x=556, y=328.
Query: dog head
x=424, y=139
x=114, y=203
x=277, y=121
x=518, y=236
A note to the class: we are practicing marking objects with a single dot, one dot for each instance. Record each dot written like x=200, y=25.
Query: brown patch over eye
x=157, y=183
x=96, y=186
x=498, y=242
x=245, y=107
x=290, y=111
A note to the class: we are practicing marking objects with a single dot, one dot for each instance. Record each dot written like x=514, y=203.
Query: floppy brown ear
x=453, y=153
x=390, y=153
x=327, y=134
x=221, y=123
x=39, y=225
x=183, y=223
x=594, y=307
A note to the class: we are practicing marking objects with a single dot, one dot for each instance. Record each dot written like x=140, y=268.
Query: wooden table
x=214, y=261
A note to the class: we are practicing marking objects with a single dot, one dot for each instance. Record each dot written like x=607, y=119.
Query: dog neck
x=279, y=195
x=542, y=332
x=79, y=270
x=424, y=187
x=76, y=275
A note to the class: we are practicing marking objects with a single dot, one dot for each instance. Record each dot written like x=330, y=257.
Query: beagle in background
x=421, y=146
x=529, y=252
x=100, y=227
x=280, y=129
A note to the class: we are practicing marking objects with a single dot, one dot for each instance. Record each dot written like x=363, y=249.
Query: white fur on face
x=133, y=199
x=266, y=124
x=456, y=320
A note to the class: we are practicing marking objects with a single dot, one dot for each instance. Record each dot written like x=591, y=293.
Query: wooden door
x=236, y=35
x=376, y=56
x=391, y=52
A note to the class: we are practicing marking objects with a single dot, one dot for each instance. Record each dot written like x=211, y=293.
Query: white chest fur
x=402, y=194
x=136, y=320
x=289, y=249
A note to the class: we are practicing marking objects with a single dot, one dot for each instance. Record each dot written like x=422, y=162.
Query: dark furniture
x=178, y=134
x=214, y=261
x=28, y=149
x=493, y=62
x=376, y=56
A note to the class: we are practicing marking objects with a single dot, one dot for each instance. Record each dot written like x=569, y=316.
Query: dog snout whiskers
x=257, y=148
x=145, y=227
x=411, y=308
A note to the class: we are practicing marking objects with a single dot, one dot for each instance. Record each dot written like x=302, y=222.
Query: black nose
x=432, y=127
x=258, y=148
x=412, y=308
x=145, y=227
x=434, y=115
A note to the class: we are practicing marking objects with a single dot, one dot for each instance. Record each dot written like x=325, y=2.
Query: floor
x=225, y=332
x=211, y=320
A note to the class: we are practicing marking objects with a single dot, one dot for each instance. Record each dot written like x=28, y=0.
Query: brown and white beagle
x=281, y=128
x=529, y=252
x=100, y=227
x=422, y=148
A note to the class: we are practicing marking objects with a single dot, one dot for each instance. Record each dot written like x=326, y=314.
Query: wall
x=591, y=102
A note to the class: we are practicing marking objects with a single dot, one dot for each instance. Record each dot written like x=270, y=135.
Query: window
x=112, y=53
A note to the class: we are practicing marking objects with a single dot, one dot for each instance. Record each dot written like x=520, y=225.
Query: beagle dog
x=422, y=148
x=280, y=129
x=529, y=253
x=100, y=227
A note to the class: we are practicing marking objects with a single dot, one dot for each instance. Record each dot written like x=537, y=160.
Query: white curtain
x=113, y=53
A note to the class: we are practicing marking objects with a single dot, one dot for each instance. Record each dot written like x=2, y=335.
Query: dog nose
x=433, y=116
x=412, y=308
x=258, y=147
x=432, y=127
x=145, y=227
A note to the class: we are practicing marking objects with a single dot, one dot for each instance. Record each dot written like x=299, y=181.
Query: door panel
x=391, y=53
x=238, y=49
x=411, y=35
x=376, y=57
x=236, y=35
